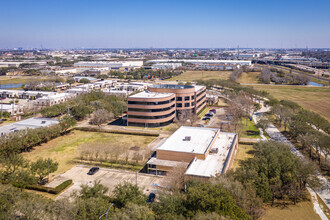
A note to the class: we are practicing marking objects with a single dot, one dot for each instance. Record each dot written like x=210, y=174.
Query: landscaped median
x=51, y=190
x=203, y=112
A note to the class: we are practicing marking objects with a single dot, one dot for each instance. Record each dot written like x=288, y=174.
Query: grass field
x=63, y=149
x=249, y=129
x=302, y=211
x=251, y=77
x=316, y=99
x=201, y=75
x=242, y=154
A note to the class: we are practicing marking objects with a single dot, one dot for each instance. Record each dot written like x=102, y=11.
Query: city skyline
x=184, y=24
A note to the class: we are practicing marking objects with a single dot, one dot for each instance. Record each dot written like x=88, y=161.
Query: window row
x=179, y=105
x=152, y=117
x=186, y=98
x=150, y=110
x=150, y=103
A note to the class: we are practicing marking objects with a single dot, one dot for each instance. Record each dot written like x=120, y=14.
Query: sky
x=66, y=24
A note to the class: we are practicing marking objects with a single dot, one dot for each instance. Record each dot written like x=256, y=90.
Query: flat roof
x=31, y=123
x=200, y=139
x=166, y=163
x=171, y=86
x=214, y=162
x=197, y=87
x=146, y=94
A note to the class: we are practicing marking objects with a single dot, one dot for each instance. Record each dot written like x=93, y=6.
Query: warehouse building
x=30, y=123
x=202, y=152
x=160, y=104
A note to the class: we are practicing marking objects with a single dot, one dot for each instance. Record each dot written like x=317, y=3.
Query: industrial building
x=201, y=62
x=30, y=123
x=112, y=65
x=201, y=152
x=162, y=103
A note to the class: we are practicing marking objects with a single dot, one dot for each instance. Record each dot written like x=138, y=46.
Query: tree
x=22, y=178
x=100, y=116
x=80, y=112
x=263, y=123
x=70, y=81
x=43, y=167
x=84, y=81
x=127, y=192
x=170, y=206
x=11, y=164
x=134, y=211
x=97, y=190
x=207, y=197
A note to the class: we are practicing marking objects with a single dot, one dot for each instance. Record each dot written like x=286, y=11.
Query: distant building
x=201, y=152
x=30, y=123
x=12, y=109
x=166, y=66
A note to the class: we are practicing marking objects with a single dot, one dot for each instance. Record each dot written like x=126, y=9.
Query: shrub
x=51, y=190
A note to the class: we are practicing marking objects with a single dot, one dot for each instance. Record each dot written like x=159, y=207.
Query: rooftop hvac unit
x=187, y=138
x=214, y=150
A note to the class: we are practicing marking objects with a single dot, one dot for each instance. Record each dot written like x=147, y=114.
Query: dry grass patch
x=316, y=99
x=201, y=75
x=302, y=211
x=242, y=154
x=64, y=149
x=251, y=77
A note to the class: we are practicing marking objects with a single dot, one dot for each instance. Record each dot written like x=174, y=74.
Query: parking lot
x=216, y=120
x=109, y=178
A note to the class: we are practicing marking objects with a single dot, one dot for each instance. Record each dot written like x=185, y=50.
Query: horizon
x=186, y=24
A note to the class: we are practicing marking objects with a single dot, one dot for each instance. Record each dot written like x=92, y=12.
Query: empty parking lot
x=109, y=178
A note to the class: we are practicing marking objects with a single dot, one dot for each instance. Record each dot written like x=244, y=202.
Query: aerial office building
x=161, y=104
x=200, y=152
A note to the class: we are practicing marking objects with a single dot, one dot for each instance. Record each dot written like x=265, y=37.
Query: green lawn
x=64, y=149
x=249, y=129
x=191, y=75
x=202, y=113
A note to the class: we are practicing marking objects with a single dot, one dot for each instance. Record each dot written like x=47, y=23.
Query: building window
x=186, y=98
x=179, y=105
x=178, y=98
x=193, y=103
x=186, y=104
x=192, y=97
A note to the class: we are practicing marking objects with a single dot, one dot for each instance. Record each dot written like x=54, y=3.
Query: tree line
x=305, y=128
x=279, y=77
x=85, y=104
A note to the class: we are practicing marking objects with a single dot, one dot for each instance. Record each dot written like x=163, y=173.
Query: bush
x=51, y=190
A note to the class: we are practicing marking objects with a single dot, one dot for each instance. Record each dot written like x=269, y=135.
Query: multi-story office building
x=162, y=103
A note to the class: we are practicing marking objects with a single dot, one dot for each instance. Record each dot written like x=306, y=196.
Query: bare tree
x=100, y=116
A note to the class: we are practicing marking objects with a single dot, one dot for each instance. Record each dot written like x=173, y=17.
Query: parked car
x=151, y=197
x=93, y=170
x=209, y=115
x=213, y=111
x=206, y=118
